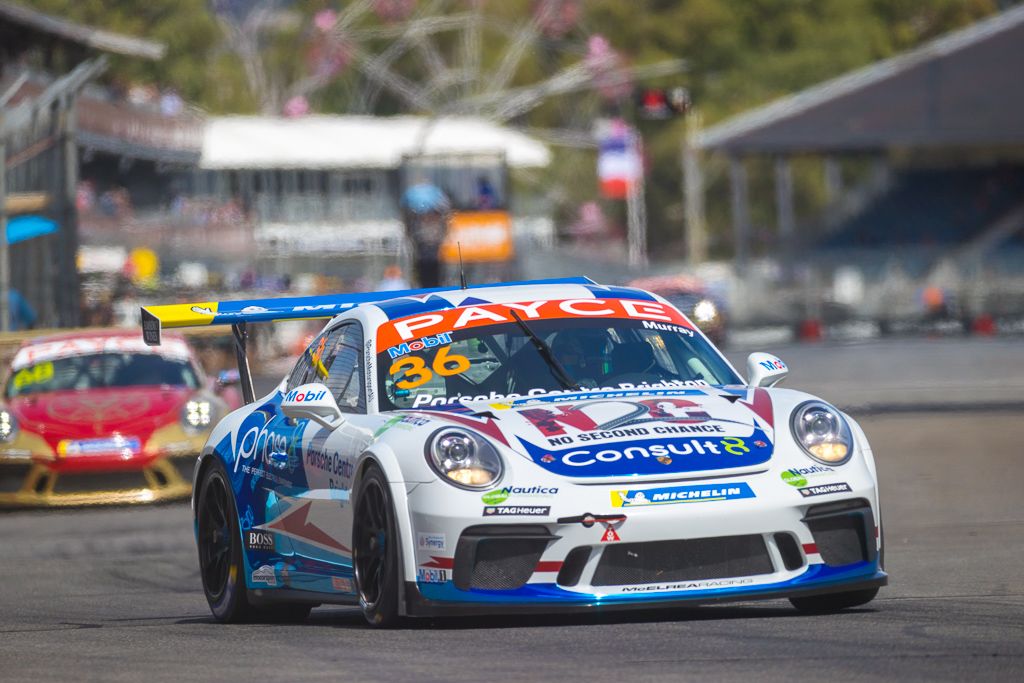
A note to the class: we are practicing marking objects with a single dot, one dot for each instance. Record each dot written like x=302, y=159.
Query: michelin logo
x=704, y=493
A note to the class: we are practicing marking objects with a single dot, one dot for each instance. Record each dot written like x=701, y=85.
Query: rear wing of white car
x=238, y=314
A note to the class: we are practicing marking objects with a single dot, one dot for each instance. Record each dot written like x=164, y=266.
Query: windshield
x=500, y=362
x=101, y=370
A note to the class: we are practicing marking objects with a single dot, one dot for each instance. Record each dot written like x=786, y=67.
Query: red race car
x=99, y=417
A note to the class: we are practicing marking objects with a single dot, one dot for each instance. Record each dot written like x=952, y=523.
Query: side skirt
x=262, y=597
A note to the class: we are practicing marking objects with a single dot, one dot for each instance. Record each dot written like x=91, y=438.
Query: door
x=319, y=520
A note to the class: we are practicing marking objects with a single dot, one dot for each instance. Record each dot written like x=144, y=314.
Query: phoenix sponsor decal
x=701, y=493
x=825, y=489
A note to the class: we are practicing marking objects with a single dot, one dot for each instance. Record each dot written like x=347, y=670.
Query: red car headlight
x=8, y=426
x=197, y=415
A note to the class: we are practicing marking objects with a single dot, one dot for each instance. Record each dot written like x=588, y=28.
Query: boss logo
x=259, y=540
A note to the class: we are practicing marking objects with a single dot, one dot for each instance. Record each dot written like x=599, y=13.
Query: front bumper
x=36, y=485
x=772, y=544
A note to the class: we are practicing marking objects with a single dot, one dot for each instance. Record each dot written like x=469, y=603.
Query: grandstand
x=944, y=125
x=933, y=207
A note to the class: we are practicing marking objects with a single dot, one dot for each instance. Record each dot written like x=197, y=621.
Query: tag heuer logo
x=259, y=540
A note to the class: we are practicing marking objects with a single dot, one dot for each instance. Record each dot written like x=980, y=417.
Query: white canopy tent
x=357, y=142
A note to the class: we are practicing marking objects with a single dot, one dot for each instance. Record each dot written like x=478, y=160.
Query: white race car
x=528, y=447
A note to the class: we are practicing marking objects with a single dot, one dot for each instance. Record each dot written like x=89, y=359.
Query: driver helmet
x=583, y=353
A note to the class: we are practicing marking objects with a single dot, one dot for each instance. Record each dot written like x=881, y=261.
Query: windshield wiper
x=545, y=352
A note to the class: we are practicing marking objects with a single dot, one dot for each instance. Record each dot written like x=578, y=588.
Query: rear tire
x=375, y=550
x=221, y=564
x=824, y=604
x=220, y=548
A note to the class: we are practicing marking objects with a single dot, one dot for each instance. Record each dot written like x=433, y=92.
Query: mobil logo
x=654, y=456
x=775, y=364
x=420, y=344
x=301, y=396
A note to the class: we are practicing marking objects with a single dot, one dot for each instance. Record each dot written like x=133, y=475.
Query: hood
x=608, y=435
x=90, y=413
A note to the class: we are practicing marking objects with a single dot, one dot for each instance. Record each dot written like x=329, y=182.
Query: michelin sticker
x=703, y=493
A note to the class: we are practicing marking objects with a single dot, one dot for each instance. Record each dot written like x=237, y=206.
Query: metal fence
x=39, y=155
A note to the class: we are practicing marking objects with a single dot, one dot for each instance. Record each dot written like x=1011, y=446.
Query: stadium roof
x=21, y=26
x=963, y=89
x=340, y=142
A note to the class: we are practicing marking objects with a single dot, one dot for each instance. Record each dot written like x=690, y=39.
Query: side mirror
x=765, y=370
x=314, y=402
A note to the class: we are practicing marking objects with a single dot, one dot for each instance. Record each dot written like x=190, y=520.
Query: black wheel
x=220, y=548
x=823, y=604
x=220, y=557
x=375, y=550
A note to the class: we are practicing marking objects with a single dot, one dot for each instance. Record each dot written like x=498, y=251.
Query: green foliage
x=743, y=54
x=196, y=63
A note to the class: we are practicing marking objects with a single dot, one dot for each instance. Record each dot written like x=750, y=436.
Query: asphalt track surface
x=115, y=594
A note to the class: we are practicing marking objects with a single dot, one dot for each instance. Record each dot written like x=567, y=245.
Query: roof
x=87, y=343
x=961, y=89
x=351, y=142
x=664, y=284
x=91, y=333
x=98, y=39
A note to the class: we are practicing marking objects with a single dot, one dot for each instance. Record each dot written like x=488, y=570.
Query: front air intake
x=498, y=557
x=844, y=533
x=683, y=560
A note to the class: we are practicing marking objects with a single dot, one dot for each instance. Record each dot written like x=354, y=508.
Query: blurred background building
x=836, y=166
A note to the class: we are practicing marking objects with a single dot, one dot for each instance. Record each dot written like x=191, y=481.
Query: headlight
x=822, y=432
x=197, y=415
x=8, y=426
x=705, y=311
x=463, y=458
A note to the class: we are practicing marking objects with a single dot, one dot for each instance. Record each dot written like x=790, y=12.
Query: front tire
x=375, y=550
x=824, y=604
